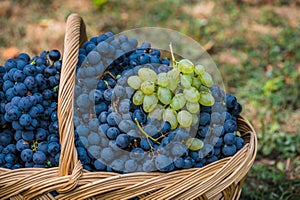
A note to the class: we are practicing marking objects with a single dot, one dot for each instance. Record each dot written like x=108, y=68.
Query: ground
x=255, y=44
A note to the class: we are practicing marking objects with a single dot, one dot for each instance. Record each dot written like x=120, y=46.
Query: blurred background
x=255, y=44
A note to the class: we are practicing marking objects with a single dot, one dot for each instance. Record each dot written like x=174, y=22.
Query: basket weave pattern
x=220, y=180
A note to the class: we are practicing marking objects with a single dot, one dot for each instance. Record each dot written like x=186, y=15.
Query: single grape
x=191, y=94
x=148, y=87
x=178, y=101
x=134, y=82
x=206, y=79
x=147, y=74
x=149, y=102
x=138, y=98
x=186, y=66
x=186, y=81
x=162, y=79
x=157, y=112
x=173, y=75
x=206, y=99
x=194, y=144
x=164, y=95
x=193, y=107
x=184, y=118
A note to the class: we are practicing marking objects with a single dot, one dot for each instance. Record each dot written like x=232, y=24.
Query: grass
x=255, y=45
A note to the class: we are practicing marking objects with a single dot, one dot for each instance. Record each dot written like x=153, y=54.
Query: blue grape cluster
x=28, y=115
x=115, y=135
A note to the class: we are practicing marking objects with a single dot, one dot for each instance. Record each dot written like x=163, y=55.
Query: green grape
x=173, y=74
x=206, y=79
x=134, y=82
x=147, y=74
x=170, y=116
x=173, y=84
x=162, y=79
x=164, y=95
x=157, y=112
x=199, y=70
x=191, y=94
x=178, y=101
x=193, y=107
x=206, y=99
x=186, y=81
x=148, y=87
x=186, y=66
x=196, y=82
x=138, y=98
x=184, y=118
x=150, y=102
x=173, y=78
x=194, y=144
x=195, y=119
x=204, y=89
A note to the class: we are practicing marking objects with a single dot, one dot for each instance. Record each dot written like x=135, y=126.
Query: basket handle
x=75, y=36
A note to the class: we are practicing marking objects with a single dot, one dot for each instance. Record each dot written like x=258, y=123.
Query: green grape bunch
x=174, y=96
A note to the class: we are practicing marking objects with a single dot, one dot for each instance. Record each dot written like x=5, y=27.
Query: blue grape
x=5, y=138
x=162, y=162
x=211, y=159
x=230, y=100
x=188, y=163
x=43, y=146
x=26, y=155
x=140, y=116
x=146, y=144
x=11, y=148
x=229, y=150
x=130, y=166
x=229, y=138
x=25, y=120
x=178, y=149
x=137, y=154
x=230, y=126
x=113, y=119
x=20, y=89
x=237, y=109
x=94, y=151
x=39, y=158
x=53, y=148
x=112, y=133
x=54, y=55
x=107, y=154
x=94, y=139
x=41, y=134
x=204, y=118
x=122, y=140
x=82, y=154
x=117, y=165
x=239, y=143
x=28, y=135
x=93, y=125
x=99, y=165
x=82, y=130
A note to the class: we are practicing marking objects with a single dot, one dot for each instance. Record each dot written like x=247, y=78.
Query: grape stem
x=146, y=134
x=172, y=54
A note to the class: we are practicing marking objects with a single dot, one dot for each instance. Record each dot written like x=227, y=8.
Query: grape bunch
x=176, y=95
x=138, y=115
x=28, y=118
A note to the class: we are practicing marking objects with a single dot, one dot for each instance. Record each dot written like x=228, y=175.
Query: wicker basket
x=220, y=180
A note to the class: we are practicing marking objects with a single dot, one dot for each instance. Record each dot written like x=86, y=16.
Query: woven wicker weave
x=220, y=180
